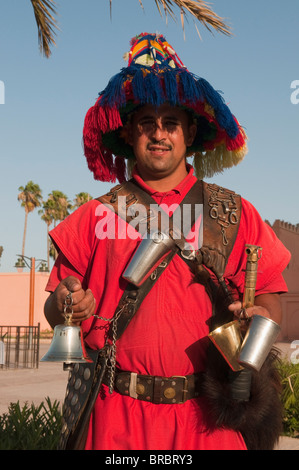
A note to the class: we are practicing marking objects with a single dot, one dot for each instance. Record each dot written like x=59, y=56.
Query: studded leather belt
x=156, y=389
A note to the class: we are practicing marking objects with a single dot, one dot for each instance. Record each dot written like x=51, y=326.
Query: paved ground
x=49, y=380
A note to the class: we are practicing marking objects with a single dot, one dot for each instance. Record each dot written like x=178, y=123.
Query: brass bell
x=67, y=343
x=228, y=340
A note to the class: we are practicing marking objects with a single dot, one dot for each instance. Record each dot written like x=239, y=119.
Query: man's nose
x=159, y=131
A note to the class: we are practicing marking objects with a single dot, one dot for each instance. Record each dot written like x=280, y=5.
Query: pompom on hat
x=155, y=75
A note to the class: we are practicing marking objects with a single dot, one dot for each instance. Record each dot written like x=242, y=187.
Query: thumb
x=237, y=305
x=72, y=284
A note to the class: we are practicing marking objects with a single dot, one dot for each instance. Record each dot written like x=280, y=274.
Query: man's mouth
x=158, y=148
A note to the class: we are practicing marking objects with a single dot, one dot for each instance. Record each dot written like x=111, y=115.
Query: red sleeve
x=274, y=256
x=61, y=269
x=74, y=240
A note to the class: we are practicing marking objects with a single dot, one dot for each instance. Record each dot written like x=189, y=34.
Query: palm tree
x=59, y=208
x=45, y=12
x=198, y=9
x=45, y=16
x=30, y=197
x=47, y=216
x=80, y=199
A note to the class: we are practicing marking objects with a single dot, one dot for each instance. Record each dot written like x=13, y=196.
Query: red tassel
x=108, y=119
x=238, y=142
x=99, y=159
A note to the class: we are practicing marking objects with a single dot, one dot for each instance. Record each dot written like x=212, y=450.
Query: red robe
x=167, y=336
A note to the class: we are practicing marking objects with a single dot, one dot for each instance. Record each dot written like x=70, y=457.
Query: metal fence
x=19, y=347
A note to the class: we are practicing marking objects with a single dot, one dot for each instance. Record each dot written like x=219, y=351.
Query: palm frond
x=200, y=11
x=45, y=12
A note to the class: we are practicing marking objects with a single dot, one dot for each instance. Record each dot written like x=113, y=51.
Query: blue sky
x=46, y=99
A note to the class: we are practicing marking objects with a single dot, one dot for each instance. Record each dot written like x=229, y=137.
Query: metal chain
x=111, y=363
x=68, y=309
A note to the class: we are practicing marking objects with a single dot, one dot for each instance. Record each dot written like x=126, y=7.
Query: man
x=156, y=113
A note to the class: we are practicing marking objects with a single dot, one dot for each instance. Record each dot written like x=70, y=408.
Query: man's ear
x=191, y=134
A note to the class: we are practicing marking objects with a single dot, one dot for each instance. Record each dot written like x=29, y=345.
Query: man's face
x=160, y=137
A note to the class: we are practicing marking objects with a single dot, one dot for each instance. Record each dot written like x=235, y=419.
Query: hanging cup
x=147, y=256
x=258, y=341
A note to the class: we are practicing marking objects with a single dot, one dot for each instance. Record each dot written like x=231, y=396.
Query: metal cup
x=147, y=256
x=258, y=341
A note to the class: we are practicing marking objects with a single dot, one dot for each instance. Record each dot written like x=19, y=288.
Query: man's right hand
x=83, y=302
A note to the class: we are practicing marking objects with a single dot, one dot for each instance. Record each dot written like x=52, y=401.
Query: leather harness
x=221, y=216
x=221, y=219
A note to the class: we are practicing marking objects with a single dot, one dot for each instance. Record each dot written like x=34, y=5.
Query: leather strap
x=222, y=213
x=156, y=389
x=82, y=390
x=131, y=193
x=221, y=217
x=123, y=197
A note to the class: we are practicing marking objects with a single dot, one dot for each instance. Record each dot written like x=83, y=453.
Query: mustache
x=159, y=144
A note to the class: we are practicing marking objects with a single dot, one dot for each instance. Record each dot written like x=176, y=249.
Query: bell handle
x=253, y=253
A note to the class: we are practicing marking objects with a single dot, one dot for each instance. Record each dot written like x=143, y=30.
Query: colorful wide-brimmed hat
x=155, y=75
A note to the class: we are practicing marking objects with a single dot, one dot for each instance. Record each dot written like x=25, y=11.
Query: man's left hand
x=266, y=305
x=236, y=308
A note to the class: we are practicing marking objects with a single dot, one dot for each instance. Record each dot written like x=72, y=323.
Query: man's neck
x=166, y=183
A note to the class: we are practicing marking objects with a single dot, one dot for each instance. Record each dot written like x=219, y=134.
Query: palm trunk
x=24, y=234
x=48, y=247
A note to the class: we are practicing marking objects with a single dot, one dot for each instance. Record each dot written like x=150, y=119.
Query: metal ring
x=70, y=298
x=244, y=315
x=68, y=304
x=214, y=212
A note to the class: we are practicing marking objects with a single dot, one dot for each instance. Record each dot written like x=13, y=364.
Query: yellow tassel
x=212, y=162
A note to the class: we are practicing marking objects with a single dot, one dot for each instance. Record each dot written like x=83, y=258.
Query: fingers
x=238, y=311
x=83, y=302
x=71, y=283
x=83, y=305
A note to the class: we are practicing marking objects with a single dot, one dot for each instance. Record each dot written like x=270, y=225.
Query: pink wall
x=14, y=295
x=289, y=235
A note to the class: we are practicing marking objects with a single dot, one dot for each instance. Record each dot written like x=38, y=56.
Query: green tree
x=45, y=16
x=30, y=197
x=81, y=198
x=47, y=215
x=59, y=208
